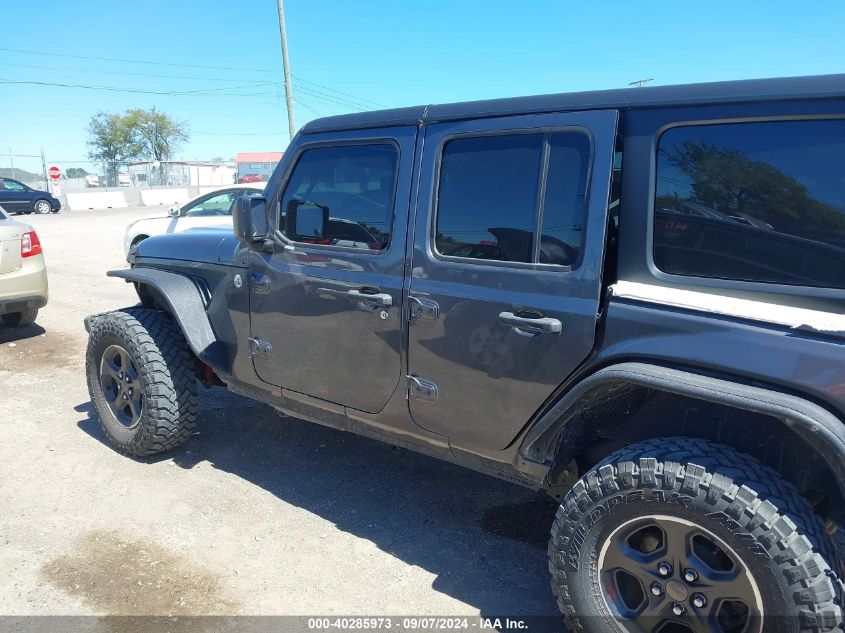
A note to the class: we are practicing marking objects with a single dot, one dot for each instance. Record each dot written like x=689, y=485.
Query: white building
x=180, y=174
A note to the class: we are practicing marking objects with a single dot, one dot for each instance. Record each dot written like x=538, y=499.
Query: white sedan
x=207, y=209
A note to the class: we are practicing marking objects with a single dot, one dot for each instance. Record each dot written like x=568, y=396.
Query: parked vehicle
x=23, y=274
x=205, y=210
x=18, y=198
x=548, y=300
x=249, y=178
x=92, y=180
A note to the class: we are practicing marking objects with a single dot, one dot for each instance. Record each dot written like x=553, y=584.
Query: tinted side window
x=489, y=197
x=566, y=194
x=753, y=201
x=356, y=183
x=13, y=185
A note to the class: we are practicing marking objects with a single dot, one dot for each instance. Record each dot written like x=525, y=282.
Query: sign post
x=55, y=174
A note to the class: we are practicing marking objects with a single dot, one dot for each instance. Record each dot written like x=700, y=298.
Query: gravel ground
x=256, y=515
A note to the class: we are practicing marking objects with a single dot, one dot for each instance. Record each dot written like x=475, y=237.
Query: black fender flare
x=819, y=427
x=185, y=303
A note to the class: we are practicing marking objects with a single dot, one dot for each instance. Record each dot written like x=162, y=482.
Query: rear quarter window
x=759, y=202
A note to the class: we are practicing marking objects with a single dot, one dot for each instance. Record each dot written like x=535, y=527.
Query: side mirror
x=249, y=219
x=173, y=212
x=306, y=221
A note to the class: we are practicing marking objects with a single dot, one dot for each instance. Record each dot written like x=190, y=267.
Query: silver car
x=23, y=274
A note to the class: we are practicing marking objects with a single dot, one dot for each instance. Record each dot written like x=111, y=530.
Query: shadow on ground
x=12, y=334
x=484, y=539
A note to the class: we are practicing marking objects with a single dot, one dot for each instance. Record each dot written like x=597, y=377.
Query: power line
x=332, y=100
x=139, y=90
x=314, y=83
x=134, y=61
x=308, y=107
x=133, y=74
x=209, y=92
x=173, y=64
x=340, y=100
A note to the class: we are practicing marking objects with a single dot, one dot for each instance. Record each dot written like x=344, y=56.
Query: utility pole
x=286, y=66
x=12, y=158
x=44, y=169
x=639, y=83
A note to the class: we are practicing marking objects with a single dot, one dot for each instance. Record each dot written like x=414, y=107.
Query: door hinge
x=259, y=348
x=259, y=284
x=421, y=388
x=422, y=309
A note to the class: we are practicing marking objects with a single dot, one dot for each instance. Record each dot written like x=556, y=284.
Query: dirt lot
x=257, y=515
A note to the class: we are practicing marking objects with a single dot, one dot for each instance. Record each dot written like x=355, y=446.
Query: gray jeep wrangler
x=632, y=299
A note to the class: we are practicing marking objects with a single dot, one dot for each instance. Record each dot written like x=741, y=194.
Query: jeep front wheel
x=686, y=536
x=141, y=380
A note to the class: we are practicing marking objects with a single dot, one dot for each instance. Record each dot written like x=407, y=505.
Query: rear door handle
x=535, y=325
x=381, y=299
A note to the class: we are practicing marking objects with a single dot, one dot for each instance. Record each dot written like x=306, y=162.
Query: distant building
x=259, y=164
x=180, y=173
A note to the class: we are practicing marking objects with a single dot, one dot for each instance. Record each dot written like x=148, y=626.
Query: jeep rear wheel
x=141, y=380
x=678, y=535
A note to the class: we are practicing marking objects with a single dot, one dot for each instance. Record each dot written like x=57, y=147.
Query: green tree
x=156, y=133
x=76, y=172
x=112, y=141
x=729, y=181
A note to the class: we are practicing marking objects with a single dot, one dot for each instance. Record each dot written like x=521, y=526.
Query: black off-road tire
x=167, y=375
x=20, y=319
x=762, y=517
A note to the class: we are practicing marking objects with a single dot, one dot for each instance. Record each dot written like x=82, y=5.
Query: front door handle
x=533, y=325
x=381, y=299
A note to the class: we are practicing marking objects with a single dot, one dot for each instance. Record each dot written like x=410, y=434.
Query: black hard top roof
x=819, y=86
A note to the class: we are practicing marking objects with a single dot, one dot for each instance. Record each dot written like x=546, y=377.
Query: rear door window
x=497, y=193
x=761, y=202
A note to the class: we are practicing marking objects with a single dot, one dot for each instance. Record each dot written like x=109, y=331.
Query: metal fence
x=80, y=175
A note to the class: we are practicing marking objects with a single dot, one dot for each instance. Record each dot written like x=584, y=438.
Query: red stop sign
x=55, y=173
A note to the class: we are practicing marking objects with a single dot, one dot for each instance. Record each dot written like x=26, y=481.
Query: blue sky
x=348, y=55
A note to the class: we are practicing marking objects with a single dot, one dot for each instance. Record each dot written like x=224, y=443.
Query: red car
x=250, y=178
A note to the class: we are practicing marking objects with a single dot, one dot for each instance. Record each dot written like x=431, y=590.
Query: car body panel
x=212, y=245
x=348, y=365
x=781, y=357
x=490, y=378
x=23, y=280
x=347, y=352
x=167, y=224
x=17, y=197
x=10, y=244
x=643, y=128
